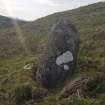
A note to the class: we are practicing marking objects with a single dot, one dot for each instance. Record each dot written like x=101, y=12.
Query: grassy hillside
x=6, y=22
x=24, y=44
x=87, y=19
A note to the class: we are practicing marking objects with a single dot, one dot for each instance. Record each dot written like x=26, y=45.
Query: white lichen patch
x=66, y=67
x=64, y=58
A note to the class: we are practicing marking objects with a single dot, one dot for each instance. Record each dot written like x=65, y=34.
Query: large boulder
x=61, y=55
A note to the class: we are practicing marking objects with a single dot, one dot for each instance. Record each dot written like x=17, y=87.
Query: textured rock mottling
x=61, y=55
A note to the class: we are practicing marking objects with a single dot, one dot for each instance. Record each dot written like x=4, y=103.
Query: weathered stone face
x=60, y=58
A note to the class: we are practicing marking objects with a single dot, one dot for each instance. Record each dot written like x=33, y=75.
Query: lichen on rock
x=66, y=67
x=66, y=57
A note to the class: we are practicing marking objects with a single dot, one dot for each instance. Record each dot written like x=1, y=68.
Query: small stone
x=28, y=67
x=76, y=86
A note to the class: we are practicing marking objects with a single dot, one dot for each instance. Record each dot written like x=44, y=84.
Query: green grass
x=12, y=75
x=15, y=81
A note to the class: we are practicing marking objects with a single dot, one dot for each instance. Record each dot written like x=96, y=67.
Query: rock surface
x=61, y=55
x=77, y=87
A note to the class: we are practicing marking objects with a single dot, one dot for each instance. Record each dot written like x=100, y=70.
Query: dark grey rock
x=61, y=55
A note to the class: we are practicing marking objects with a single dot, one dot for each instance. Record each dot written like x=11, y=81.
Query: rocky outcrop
x=84, y=86
x=61, y=55
x=77, y=87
